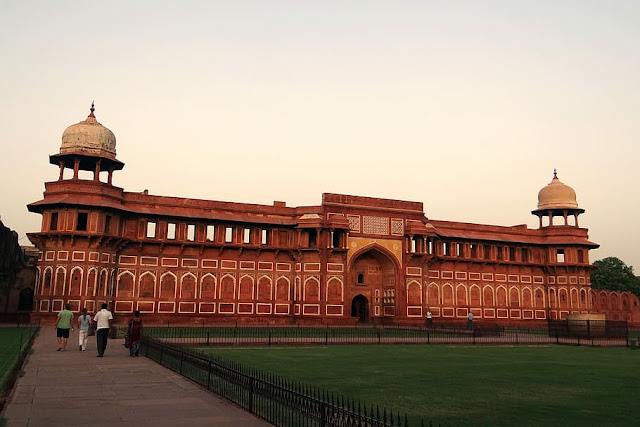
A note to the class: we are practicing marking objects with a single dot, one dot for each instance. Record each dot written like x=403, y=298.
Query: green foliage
x=468, y=385
x=613, y=274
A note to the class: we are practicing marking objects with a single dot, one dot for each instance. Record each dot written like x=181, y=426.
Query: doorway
x=360, y=308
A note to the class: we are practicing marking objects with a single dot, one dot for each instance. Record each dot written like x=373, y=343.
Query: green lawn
x=12, y=341
x=469, y=385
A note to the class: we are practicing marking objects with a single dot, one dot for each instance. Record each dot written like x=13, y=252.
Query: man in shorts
x=62, y=327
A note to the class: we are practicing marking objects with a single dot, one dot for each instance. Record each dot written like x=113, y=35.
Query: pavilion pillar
x=76, y=167
x=96, y=172
x=61, y=170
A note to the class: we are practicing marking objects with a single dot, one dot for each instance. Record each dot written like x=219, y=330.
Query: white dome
x=90, y=137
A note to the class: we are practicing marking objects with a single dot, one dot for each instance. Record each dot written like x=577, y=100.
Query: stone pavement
x=64, y=388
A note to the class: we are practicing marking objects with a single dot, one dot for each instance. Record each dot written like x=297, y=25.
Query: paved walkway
x=77, y=388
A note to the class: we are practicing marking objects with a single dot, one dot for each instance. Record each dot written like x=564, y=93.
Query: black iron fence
x=485, y=333
x=588, y=329
x=277, y=400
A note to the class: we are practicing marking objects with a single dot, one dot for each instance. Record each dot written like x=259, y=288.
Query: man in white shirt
x=103, y=320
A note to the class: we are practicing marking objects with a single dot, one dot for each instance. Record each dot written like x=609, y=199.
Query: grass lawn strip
x=469, y=385
x=10, y=340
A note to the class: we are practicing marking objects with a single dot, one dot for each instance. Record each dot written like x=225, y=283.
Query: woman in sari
x=134, y=333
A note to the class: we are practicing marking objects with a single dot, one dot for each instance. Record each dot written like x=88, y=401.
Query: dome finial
x=555, y=174
x=92, y=110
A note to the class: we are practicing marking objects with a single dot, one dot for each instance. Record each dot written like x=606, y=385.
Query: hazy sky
x=466, y=106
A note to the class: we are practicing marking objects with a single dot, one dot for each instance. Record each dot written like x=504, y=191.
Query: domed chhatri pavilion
x=349, y=259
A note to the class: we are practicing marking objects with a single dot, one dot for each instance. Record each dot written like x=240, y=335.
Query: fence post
x=209, y=377
x=323, y=414
x=208, y=342
x=269, y=332
x=20, y=346
x=251, y=381
x=378, y=336
x=516, y=337
x=161, y=353
x=181, y=358
x=326, y=335
x=588, y=328
x=428, y=337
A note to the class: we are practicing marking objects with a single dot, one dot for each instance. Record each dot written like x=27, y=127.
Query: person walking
x=134, y=332
x=103, y=320
x=470, y=320
x=62, y=327
x=429, y=319
x=84, y=322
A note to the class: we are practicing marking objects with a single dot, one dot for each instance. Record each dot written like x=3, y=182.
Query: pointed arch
x=246, y=288
x=168, y=282
x=433, y=294
x=227, y=287
x=447, y=294
x=475, y=299
x=574, y=298
x=283, y=291
x=125, y=284
x=414, y=293
x=265, y=285
x=46, y=282
x=147, y=285
x=188, y=286
x=563, y=298
x=488, y=296
x=61, y=278
x=75, y=283
x=539, y=298
x=89, y=286
x=208, y=287
x=111, y=283
x=375, y=247
x=311, y=290
x=501, y=296
x=514, y=297
x=461, y=295
x=334, y=291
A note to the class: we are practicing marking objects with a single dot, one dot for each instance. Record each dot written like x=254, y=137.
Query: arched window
x=208, y=287
x=188, y=287
x=264, y=289
x=168, y=286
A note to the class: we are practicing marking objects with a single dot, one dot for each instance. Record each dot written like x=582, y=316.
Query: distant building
x=17, y=276
x=348, y=259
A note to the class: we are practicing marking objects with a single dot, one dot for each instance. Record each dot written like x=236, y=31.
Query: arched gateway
x=373, y=276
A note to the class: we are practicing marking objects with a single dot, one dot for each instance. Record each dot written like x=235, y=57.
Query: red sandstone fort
x=349, y=259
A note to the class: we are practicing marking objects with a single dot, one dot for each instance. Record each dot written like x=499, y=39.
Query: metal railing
x=278, y=400
x=484, y=333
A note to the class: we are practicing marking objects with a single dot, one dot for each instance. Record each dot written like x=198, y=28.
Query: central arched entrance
x=373, y=276
x=360, y=308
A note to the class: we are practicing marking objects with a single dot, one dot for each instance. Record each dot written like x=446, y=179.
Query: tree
x=613, y=274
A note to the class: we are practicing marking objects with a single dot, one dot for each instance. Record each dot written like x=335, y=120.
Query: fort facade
x=349, y=259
